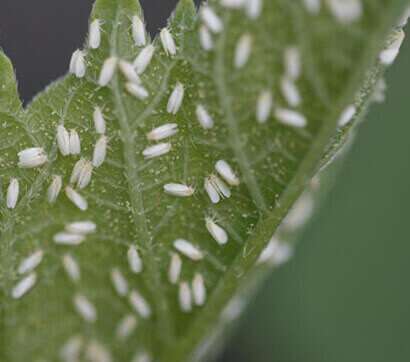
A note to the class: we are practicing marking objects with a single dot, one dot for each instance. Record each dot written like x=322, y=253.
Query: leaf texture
x=273, y=159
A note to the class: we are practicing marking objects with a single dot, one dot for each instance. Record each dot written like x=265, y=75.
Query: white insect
x=179, y=190
x=100, y=151
x=75, y=143
x=162, y=132
x=233, y=4
x=379, y=94
x=264, y=106
x=211, y=20
x=126, y=326
x=300, y=212
x=81, y=227
x=54, y=188
x=141, y=357
x=233, y=310
x=268, y=252
x=99, y=121
x=253, y=8
x=13, y=191
x=96, y=352
x=75, y=173
x=32, y=157
x=71, y=267
x=187, y=249
x=23, y=286
x=140, y=305
x=404, y=18
x=176, y=99
x=119, y=282
x=76, y=198
x=63, y=140
x=205, y=38
x=168, y=42
x=275, y=253
x=85, y=174
x=290, y=118
x=107, y=71
x=85, y=308
x=71, y=350
x=226, y=172
x=199, y=289
x=81, y=174
x=156, y=150
x=78, y=65
x=136, y=90
x=129, y=72
x=185, y=297
x=204, y=118
x=217, y=232
x=134, y=260
x=94, y=37
x=31, y=262
x=65, y=238
x=243, y=51
x=347, y=115
x=211, y=190
x=293, y=64
x=216, y=188
x=138, y=31
x=283, y=254
x=290, y=92
x=346, y=11
x=389, y=55
x=144, y=58
x=174, y=270
x=312, y=6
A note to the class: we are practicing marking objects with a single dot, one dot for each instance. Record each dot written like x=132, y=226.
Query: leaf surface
x=274, y=162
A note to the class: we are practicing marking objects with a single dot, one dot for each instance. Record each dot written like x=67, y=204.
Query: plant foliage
x=274, y=161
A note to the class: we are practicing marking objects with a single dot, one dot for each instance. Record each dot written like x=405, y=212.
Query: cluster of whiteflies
x=349, y=11
x=219, y=183
x=212, y=25
x=73, y=235
x=95, y=351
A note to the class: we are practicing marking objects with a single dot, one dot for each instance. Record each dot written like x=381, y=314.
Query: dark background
x=345, y=297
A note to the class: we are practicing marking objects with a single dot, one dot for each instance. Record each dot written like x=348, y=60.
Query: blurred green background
x=345, y=297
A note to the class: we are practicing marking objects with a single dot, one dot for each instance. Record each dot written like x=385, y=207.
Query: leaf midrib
x=151, y=273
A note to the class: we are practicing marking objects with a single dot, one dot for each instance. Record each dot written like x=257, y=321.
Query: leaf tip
x=9, y=98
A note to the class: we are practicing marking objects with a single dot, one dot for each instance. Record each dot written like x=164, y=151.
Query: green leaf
x=126, y=200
